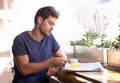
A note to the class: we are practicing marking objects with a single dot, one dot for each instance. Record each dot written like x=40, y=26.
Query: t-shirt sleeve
x=55, y=44
x=18, y=47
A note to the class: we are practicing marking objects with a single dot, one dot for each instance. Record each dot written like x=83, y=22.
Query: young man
x=33, y=50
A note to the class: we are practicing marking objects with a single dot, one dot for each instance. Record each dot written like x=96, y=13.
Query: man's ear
x=40, y=19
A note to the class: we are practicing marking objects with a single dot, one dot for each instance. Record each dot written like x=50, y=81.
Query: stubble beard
x=43, y=33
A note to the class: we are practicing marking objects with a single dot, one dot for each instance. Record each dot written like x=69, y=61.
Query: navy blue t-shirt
x=24, y=44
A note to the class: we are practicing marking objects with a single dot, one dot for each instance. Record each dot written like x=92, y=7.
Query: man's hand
x=58, y=61
x=52, y=70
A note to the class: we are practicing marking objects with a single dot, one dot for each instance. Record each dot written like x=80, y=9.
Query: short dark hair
x=45, y=12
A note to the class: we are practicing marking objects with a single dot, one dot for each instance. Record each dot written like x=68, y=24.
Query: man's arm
x=60, y=53
x=26, y=68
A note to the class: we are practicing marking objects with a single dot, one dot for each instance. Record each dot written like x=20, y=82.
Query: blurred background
x=76, y=17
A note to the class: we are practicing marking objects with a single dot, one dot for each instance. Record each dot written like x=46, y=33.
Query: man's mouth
x=49, y=31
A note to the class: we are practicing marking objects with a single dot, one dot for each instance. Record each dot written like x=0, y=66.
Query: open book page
x=94, y=66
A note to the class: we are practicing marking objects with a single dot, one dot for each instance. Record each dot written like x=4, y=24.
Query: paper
x=94, y=66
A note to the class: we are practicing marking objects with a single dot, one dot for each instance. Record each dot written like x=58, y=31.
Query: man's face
x=47, y=26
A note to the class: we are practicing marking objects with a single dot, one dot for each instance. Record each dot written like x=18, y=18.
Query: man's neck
x=35, y=34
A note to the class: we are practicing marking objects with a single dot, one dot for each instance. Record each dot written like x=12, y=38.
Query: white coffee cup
x=72, y=61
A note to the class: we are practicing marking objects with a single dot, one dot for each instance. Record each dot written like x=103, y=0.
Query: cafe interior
x=87, y=30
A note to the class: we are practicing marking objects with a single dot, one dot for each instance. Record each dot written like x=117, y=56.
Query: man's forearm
x=31, y=68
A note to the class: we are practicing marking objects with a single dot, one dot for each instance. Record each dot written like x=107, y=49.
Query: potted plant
x=114, y=54
x=116, y=44
x=82, y=48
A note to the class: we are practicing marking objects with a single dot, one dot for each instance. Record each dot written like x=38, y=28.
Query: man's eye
x=50, y=23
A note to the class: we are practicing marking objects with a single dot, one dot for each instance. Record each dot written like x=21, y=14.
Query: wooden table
x=109, y=75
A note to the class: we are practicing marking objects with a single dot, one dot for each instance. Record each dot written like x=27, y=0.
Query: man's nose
x=52, y=28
